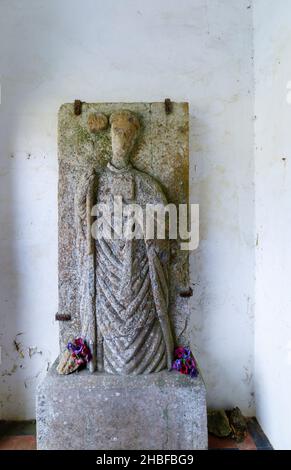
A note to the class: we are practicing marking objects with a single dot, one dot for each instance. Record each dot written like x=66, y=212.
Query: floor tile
x=17, y=443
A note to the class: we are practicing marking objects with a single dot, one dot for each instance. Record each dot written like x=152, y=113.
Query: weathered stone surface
x=164, y=410
x=123, y=281
x=97, y=122
x=162, y=152
x=237, y=423
x=142, y=313
x=218, y=423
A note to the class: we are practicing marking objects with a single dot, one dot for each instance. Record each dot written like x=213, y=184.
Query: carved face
x=124, y=128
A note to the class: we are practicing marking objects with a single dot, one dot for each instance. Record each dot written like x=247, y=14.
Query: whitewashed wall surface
x=272, y=39
x=199, y=51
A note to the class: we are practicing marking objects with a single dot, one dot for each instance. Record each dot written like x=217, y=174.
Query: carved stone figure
x=123, y=282
x=114, y=291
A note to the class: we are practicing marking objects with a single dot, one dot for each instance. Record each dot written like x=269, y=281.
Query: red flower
x=184, y=369
x=190, y=362
x=179, y=352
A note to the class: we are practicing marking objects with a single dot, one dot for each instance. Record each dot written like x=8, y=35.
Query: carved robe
x=124, y=283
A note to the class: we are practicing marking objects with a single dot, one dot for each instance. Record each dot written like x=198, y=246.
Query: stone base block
x=165, y=411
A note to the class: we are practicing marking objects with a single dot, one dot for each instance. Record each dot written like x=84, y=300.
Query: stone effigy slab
x=161, y=151
x=131, y=325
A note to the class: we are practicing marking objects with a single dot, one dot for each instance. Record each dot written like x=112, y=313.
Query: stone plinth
x=165, y=411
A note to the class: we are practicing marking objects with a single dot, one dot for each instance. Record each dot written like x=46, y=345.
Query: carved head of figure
x=124, y=130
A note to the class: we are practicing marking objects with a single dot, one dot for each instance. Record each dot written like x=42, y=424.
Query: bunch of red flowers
x=184, y=362
x=79, y=351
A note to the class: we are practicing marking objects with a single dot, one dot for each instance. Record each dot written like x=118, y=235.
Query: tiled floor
x=21, y=436
x=17, y=435
x=255, y=439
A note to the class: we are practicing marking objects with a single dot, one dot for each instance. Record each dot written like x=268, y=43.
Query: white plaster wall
x=272, y=40
x=192, y=50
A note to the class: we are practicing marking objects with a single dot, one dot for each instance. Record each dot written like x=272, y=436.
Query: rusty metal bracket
x=78, y=107
x=187, y=293
x=63, y=317
x=168, y=106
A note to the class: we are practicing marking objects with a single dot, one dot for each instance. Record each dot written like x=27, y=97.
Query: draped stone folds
x=124, y=285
